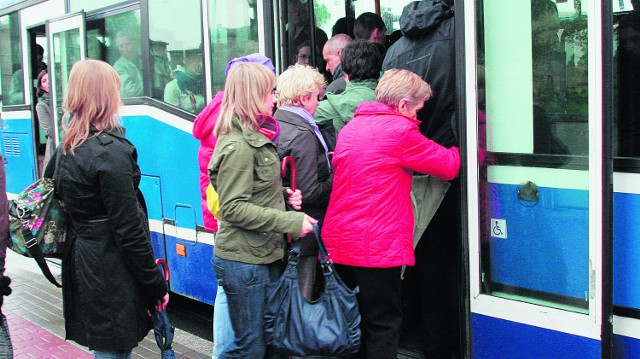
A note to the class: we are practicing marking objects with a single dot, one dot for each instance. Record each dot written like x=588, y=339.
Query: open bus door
x=67, y=44
x=539, y=203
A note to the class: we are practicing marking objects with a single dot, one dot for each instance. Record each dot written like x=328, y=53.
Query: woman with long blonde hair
x=109, y=276
x=245, y=170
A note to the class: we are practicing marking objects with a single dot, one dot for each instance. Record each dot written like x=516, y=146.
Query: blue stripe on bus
x=626, y=250
x=546, y=248
x=502, y=339
x=625, y=347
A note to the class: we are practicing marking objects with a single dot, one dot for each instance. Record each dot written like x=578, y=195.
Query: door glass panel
x=626, y=45
x=533, y=134
x=303, y=45
x=66, y=52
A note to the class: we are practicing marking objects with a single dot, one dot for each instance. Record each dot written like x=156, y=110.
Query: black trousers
x=436, y=279
x=380, y=305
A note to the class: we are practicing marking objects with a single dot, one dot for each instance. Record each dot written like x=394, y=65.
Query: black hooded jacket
x=427, y=48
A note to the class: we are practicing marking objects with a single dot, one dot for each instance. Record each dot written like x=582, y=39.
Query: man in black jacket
x=427, y=48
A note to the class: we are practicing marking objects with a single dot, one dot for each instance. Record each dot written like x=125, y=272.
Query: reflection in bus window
x=186, y=90
x=627, y=111
x=233, y=26
x=176, y=58
x=11, y=64
x=116, y=40
x=559, y=55
x=299, y=30
x=88, y=5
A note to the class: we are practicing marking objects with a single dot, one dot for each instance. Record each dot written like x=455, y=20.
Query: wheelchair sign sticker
x=498, y=228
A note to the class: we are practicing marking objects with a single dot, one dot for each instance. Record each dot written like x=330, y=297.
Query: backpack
x=37, y=224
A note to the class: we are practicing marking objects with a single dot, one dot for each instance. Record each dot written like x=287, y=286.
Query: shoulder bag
x=327, y=326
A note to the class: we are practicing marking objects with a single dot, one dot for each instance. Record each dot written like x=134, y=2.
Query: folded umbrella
x=162, y=328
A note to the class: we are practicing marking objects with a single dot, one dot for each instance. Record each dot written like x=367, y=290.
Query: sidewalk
x=36, y=325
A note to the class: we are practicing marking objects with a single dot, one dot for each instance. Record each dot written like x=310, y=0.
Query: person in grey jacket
x=109, y=276
x=298, y=90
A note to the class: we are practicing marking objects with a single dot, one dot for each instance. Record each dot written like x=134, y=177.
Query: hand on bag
x=295, y=199
x=162, y=303
x=307, y=225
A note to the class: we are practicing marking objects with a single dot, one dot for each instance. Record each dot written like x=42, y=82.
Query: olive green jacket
x=245, y=171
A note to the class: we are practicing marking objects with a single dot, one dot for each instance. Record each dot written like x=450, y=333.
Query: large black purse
x=326, y=326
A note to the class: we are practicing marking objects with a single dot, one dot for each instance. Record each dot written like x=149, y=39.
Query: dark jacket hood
x=421, y=17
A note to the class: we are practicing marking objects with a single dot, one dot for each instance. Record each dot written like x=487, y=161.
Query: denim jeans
x=246, y=286
x=126, y=354
x=6, y=350
x=222, y=330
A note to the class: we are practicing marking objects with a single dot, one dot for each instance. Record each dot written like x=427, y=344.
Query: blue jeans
x=6, y=349
x=246, y=287
x=126, y=354
x=222, y=330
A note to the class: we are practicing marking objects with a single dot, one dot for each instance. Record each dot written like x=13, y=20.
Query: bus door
x=538, y=192
x=66, y=47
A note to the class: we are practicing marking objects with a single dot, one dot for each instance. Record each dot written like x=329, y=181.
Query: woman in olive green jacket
x=245, y=171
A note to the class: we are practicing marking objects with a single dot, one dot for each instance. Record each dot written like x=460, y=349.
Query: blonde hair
x=93, y=99
x=296, y=81
x=396, y=85
x=245, y=90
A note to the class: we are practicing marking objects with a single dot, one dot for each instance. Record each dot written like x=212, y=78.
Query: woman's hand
x=307, y=225
x=295, y=199
x=162, y=303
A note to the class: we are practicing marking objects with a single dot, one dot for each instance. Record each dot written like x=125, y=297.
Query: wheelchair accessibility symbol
x=498, y=228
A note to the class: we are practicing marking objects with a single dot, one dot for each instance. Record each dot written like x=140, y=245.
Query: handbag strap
x=325, y=259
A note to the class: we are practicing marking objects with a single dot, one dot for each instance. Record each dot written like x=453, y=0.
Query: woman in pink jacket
x=368, y=228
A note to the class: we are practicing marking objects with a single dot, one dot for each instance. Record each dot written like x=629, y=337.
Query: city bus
x=546, y=91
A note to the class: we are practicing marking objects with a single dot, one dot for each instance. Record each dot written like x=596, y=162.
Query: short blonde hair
x=93, y=99
x=297, y=80
x=396, y=85
x=245, y=90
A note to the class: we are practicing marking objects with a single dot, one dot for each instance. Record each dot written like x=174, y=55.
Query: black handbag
x=327, y=326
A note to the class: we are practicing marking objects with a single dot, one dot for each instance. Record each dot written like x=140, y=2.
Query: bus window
x=116, y=39
x=328, y=13
x=362, y=6
x=300, y=45
x=627, y=78
x=88, y=5
x=11, y=64
x=233, y=26
x=175, y=44
x=390, y=12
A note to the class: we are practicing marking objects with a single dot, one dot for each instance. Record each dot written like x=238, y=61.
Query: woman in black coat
x=109, y=276
x=299, y=88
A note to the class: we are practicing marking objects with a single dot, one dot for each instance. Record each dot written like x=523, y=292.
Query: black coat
x=109, y=276
x=427, y=48
x=314, y=178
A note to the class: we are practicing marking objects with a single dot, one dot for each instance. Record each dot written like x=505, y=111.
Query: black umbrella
x=162, y=328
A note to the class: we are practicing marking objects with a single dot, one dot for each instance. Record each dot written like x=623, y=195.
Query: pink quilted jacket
x=203, y=131
x=369, y=221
